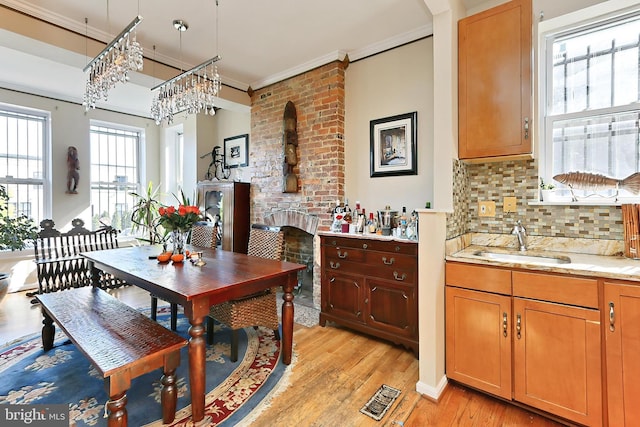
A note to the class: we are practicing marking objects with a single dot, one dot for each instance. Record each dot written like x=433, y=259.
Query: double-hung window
x=24, y=138
x=590, y=92
x=115, y=173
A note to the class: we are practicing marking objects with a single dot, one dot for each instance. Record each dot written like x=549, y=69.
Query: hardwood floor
x=336, y=372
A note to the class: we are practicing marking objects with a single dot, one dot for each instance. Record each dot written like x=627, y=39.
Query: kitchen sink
x=523, y=257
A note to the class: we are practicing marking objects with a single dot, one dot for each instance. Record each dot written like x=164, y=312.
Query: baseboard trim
x=430, y=392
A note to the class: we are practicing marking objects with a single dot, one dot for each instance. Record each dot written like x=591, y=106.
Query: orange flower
x=179, y=219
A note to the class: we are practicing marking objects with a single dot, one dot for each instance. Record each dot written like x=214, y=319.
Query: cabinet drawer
x=345, y=253
x=578, y=291
x=370, y=244
x=489, y=279
x=336, y=264
x=344, y=242
x=406, y=276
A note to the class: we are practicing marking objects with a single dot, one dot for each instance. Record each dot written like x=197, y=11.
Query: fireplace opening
x=298, y=248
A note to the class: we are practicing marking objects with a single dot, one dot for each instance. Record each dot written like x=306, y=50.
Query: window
x=591, y=98
x=24, y=136
x=114, y=174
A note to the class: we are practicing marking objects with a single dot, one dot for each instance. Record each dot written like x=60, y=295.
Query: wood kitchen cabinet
x=494, y=82
x=543, y=328
x=622, y=344
x=371, y=286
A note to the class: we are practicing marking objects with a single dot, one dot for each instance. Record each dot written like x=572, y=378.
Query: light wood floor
x=336, y=372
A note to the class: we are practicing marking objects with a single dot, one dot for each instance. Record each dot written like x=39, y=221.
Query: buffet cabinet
x=371, y=286
x=226, y=204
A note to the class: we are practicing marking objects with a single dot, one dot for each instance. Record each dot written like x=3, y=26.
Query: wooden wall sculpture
x=73, y=166
x=290, y=137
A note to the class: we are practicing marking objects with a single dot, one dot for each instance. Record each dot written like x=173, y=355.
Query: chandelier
x=193, y=91
x=112, y=65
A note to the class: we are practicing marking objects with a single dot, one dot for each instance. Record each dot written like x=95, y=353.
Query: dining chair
x=202, y=235
x=255, y=310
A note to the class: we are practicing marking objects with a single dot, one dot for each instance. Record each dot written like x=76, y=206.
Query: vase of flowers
x=179, y=222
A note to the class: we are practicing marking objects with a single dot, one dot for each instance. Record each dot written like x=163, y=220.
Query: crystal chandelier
x=193, y=91
x=112, y=65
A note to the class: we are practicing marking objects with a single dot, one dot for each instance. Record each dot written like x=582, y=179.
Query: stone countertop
x=602, y=266
x=366, y=236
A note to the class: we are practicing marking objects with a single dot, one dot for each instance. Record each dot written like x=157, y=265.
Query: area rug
x=64, y=375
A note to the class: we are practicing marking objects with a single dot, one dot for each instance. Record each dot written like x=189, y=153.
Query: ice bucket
x=387, y=220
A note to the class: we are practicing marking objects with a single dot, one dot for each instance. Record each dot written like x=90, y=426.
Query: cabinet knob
x=365, y=246
x=341, y=254
x=397, y=248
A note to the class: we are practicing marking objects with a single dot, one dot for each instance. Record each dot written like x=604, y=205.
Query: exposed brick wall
x=318, y=96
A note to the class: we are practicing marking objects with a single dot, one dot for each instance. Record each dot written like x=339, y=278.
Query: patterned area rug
x=64, y=375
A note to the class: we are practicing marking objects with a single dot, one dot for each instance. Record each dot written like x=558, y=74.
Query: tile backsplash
x=519, y=178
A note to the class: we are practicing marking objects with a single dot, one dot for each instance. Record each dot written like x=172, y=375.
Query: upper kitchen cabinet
x=494, y=82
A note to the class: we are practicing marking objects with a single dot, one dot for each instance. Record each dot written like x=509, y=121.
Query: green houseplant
x=547, y=191
x=145, y=216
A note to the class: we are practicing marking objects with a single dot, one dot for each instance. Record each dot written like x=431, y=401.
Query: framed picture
x=236, y=151
x=393, y=145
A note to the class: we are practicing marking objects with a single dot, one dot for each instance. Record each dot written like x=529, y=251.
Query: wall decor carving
x=290, y=136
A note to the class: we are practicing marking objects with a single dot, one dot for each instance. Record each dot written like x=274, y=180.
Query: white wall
x=395, y=82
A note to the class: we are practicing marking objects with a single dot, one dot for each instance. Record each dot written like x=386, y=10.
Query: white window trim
x=583, y=17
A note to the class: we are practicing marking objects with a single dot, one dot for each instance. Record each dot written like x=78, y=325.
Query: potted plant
x=145, y=216
x=546, y=191
x=15, y=233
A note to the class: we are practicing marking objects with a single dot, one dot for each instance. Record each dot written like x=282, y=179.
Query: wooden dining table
x=225, y=276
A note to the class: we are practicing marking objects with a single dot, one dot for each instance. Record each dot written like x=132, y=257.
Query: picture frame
x=236, y=151
x=393, y=149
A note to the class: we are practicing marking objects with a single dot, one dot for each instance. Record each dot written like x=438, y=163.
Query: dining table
x=224, y=276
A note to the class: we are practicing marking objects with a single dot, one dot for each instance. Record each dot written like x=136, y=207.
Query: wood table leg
x=197, y=367
x=117, y=410
x=287, y=317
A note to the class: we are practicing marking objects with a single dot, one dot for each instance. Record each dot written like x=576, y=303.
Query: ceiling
x=260, y=42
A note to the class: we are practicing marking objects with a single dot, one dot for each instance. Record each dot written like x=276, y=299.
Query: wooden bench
x=59, y=263
x=119, y=341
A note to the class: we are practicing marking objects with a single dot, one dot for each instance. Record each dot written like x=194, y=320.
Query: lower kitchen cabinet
x=622, y=344
x=478, y=340
x=501, y=323
x=371, y=286
x=557, y=359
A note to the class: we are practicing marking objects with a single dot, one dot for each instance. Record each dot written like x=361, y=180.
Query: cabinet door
x=478, y=340
x=494, y=80
x=391, y=307
x=622, y=342
x=557, y=359
x=342, y=295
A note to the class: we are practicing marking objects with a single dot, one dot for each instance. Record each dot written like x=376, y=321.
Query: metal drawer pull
x=365, y=246
x=342, y=255
x=400, y=279
x=612, y=317
x=504, y=324
x=390, y=262
x=333, y=279
x=518, y=325
x=334, y=265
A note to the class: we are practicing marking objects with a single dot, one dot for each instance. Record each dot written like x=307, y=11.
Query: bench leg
x=154, y=307
x=117, y=410
x=48, y=331
x=169, y=394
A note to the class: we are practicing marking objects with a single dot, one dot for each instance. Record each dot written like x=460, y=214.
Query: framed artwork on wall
x=393, y=148
x=236, y=151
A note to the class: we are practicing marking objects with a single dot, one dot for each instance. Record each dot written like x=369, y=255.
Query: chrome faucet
x=521, y=234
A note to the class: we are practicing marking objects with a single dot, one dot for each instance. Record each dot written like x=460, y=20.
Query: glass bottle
x=371, y=223
x=403, y=223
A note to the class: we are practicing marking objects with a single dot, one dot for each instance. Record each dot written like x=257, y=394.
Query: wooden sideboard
x=371, y=286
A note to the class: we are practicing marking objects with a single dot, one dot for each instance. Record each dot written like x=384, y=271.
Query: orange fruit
x=164, y=257
x=187, y=253
x=177, y=257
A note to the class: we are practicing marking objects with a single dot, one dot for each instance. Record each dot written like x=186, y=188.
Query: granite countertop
x=597, y=258
x=367, y=236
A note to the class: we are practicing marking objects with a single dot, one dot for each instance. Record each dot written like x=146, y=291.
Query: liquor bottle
x=403, y=223
x=371, y=224
x=347, y=212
